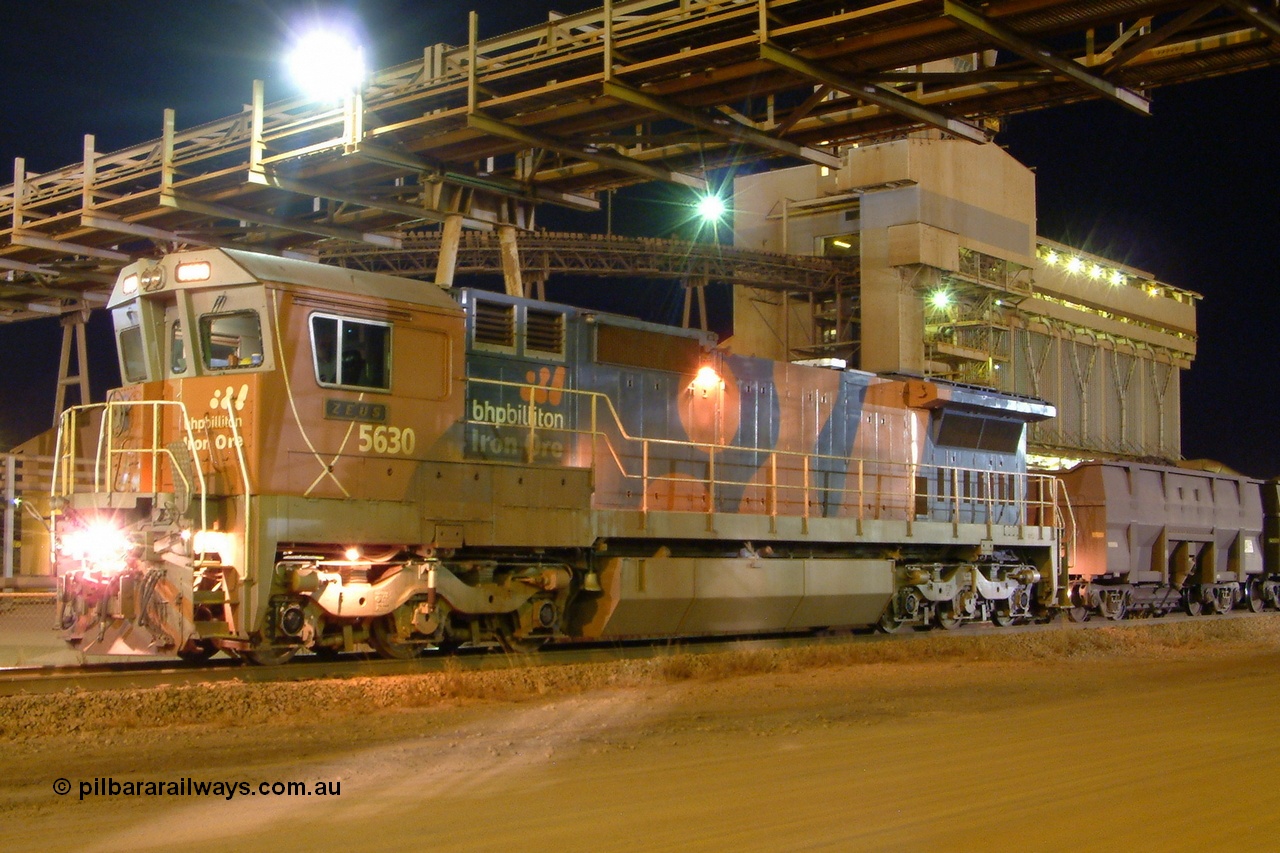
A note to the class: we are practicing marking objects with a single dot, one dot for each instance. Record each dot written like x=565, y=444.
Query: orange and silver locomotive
x=309, y=457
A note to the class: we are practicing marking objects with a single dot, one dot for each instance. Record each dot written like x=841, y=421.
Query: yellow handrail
x=887, y=472
x=109, y=452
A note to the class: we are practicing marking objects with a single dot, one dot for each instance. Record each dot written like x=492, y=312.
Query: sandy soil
x=1153, y=738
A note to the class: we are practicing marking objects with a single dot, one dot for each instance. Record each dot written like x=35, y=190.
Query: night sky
x=1191, y=195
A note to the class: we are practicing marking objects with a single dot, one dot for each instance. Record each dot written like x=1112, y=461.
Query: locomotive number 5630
x=386, y=439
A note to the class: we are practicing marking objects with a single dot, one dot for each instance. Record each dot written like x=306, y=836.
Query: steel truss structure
x=478, y=136
x=543, y=254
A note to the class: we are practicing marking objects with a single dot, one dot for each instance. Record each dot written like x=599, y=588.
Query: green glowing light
x=711, y=207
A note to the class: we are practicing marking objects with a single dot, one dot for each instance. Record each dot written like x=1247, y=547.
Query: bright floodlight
x=711, y=207
x=326, y=65
x=940, y=299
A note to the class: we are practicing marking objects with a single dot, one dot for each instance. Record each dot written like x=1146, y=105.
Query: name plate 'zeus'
x=353, y=410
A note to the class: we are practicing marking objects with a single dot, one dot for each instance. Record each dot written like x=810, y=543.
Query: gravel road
x=1143, y=737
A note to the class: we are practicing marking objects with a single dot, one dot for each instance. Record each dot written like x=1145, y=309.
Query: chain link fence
x=27, y=634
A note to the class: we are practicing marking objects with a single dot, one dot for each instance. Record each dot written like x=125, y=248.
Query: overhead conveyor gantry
x=478, y=136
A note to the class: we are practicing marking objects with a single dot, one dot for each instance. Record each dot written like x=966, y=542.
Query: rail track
x=144, y=674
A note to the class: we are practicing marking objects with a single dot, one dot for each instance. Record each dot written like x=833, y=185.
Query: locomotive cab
x=144, y=556
x=248, y=380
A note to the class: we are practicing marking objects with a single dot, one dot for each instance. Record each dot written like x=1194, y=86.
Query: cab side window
x=231, y=341
x=177, y=354
x=351, y=353
x=132, y=357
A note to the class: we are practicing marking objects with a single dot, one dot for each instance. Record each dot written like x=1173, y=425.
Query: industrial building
x=954, y=283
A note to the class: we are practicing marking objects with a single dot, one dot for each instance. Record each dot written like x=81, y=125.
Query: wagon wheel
x=1191, y=602
x=1079, y=614
x=1253, y=592
x=386, y=642
x=1002, y=616
x=1114, y=610
x=1220, y=604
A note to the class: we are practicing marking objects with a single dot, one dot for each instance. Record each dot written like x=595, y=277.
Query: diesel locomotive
x=305, y=457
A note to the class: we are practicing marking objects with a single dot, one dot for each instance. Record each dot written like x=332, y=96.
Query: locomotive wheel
x=383, y=638
x=888, y=623
x=198, y=652
x=265, y=655
x=520, y=645
x=1002, y=618
x=947, y=619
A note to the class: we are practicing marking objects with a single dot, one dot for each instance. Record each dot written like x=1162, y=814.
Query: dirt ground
x=1140, y=738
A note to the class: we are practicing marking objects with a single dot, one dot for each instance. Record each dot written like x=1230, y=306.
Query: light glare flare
x=711, y=207
x=706, y=381
x=326, y=65
x=101, y=544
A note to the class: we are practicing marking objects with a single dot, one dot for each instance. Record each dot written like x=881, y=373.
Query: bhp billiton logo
x=230, y=400
x=550, y=386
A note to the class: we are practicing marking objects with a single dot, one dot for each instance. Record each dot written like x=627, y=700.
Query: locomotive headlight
x=212, y=542
x=101, y=544
x=193, y=271
x=706, y=381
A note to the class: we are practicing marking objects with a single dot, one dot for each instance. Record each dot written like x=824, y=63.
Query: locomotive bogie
x=950, y=594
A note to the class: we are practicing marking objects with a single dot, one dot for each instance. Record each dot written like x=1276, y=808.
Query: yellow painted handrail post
x=805, y=516
x=990, y=504
x=955, y=501
x=644, y=483
x=862, y=495
x=773, y=492
x=473, y=28
x=711, y=488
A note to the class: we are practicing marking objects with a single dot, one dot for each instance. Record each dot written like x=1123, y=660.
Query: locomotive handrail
x=1020, y=499
x=107, y=453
